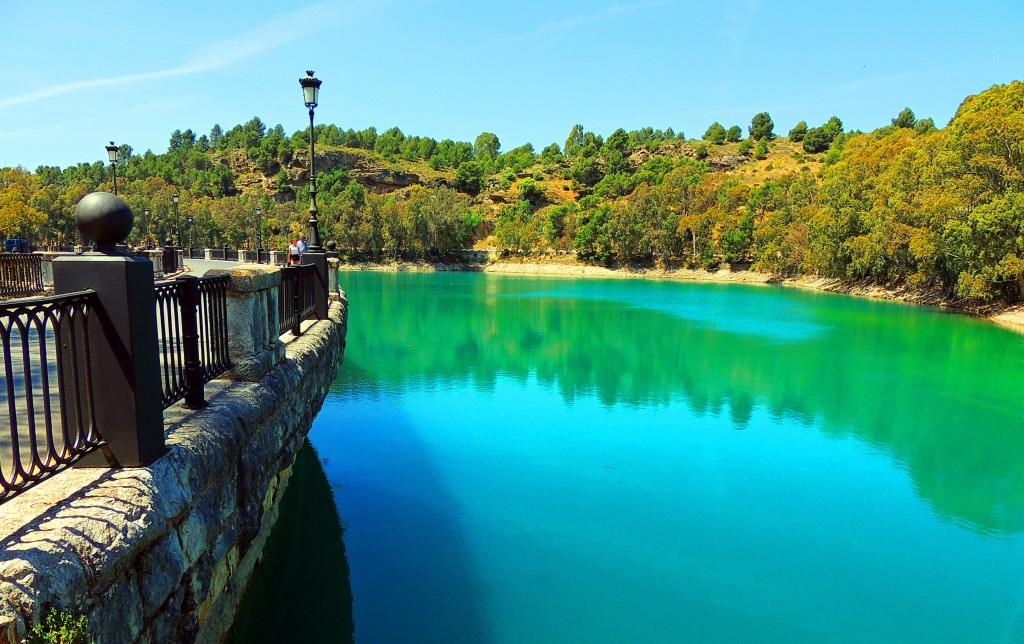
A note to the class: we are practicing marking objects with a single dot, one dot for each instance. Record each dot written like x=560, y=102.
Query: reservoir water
x=521, y=459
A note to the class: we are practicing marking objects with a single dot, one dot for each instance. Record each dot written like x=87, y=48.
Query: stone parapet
x=163, y=553
x=254, y=344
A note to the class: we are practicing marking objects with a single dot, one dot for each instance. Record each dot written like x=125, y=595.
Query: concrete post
x=332, y=278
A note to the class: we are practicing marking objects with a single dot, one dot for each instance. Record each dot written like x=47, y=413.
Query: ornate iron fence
x=295, y=299
x=46, y=387
x=20, y=274
x=192, y=336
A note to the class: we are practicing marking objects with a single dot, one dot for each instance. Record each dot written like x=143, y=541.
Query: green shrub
x=61, y=627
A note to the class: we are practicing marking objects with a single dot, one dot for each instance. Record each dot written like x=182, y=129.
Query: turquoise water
x=553, y=460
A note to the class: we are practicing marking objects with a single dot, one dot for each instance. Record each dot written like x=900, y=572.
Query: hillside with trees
x=908, y=203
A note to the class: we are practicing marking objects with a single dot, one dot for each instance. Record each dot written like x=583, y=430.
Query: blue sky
x=75, y=75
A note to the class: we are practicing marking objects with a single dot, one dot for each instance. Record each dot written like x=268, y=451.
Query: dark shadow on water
x=301, y=592
x=414, y=574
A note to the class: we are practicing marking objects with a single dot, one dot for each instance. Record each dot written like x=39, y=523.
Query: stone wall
x=163, y=553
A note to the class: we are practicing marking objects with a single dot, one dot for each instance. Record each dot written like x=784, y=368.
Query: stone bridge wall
x=163, y=553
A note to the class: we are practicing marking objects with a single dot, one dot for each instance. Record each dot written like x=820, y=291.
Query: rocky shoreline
x=1009, y=316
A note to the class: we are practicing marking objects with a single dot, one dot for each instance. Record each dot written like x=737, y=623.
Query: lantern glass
x=175, y=197
x=310, y=92
x=112, y=152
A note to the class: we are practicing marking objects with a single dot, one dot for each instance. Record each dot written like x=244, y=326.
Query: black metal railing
x=20, y=274
x=46, y=387
x=295, y=298
x=197, y=253
x=231, y=254
x=213, y=326
x=192, y=336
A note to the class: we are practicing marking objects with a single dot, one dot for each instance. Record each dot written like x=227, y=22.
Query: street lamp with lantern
x=145, y=212
x=112, y=153
x=175, y=198
x=259, y=232
x=191, y=239
x=310, y=93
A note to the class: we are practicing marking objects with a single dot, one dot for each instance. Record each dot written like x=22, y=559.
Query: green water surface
x=556, y=460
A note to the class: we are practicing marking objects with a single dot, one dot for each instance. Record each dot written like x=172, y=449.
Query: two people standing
x=296, y=250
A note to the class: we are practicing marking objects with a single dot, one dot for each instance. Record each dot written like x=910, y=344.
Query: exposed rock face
x=725, y=162
x=718, y=162
x=162, y=553
x=373, y=176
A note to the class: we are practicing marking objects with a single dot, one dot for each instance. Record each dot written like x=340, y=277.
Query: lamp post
x=175, y=198
x=191, y=240
x=145, y=212
x=310, y=92
x=112, y=153
x=259, y=232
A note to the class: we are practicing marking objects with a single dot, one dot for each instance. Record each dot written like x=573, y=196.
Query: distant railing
x=295, y=300
x=20, y=274
x=231, y=254
x=192, y=336
x=197, y=253
x=45, y=387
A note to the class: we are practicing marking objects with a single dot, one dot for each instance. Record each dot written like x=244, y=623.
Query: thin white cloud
x=278, y=31
x=740, y=16
x=571, y=23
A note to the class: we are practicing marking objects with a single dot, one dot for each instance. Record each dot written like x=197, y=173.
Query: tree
x=715, y=133
x=761, y=126
x=734, y=134
x=470, y=177
x=575, y=142
x=529, y=191
x=832, y=128
x=925, y=126
x=390, y=142
x=905, y=118
x=551, y=154
x=216, y=134
x=762, y=148
x=798, y=132
x=486, y=146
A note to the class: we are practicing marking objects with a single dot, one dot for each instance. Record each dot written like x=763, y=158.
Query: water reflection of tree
x=303, y=579
x=934, y=391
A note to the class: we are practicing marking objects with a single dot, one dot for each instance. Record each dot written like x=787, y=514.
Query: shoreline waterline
x=1010, y=317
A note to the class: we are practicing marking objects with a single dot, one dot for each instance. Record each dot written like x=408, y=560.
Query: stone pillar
x=332, y=278
x=125, y=369
x=208, y=254
x=254, y=342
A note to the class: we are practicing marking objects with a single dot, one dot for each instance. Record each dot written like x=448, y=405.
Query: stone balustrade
x=162, y=553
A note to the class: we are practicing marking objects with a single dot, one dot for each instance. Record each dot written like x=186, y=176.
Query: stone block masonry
x=163, y=553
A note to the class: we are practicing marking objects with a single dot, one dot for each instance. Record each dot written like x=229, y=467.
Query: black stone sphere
x=104, y=218
x=331, y=245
